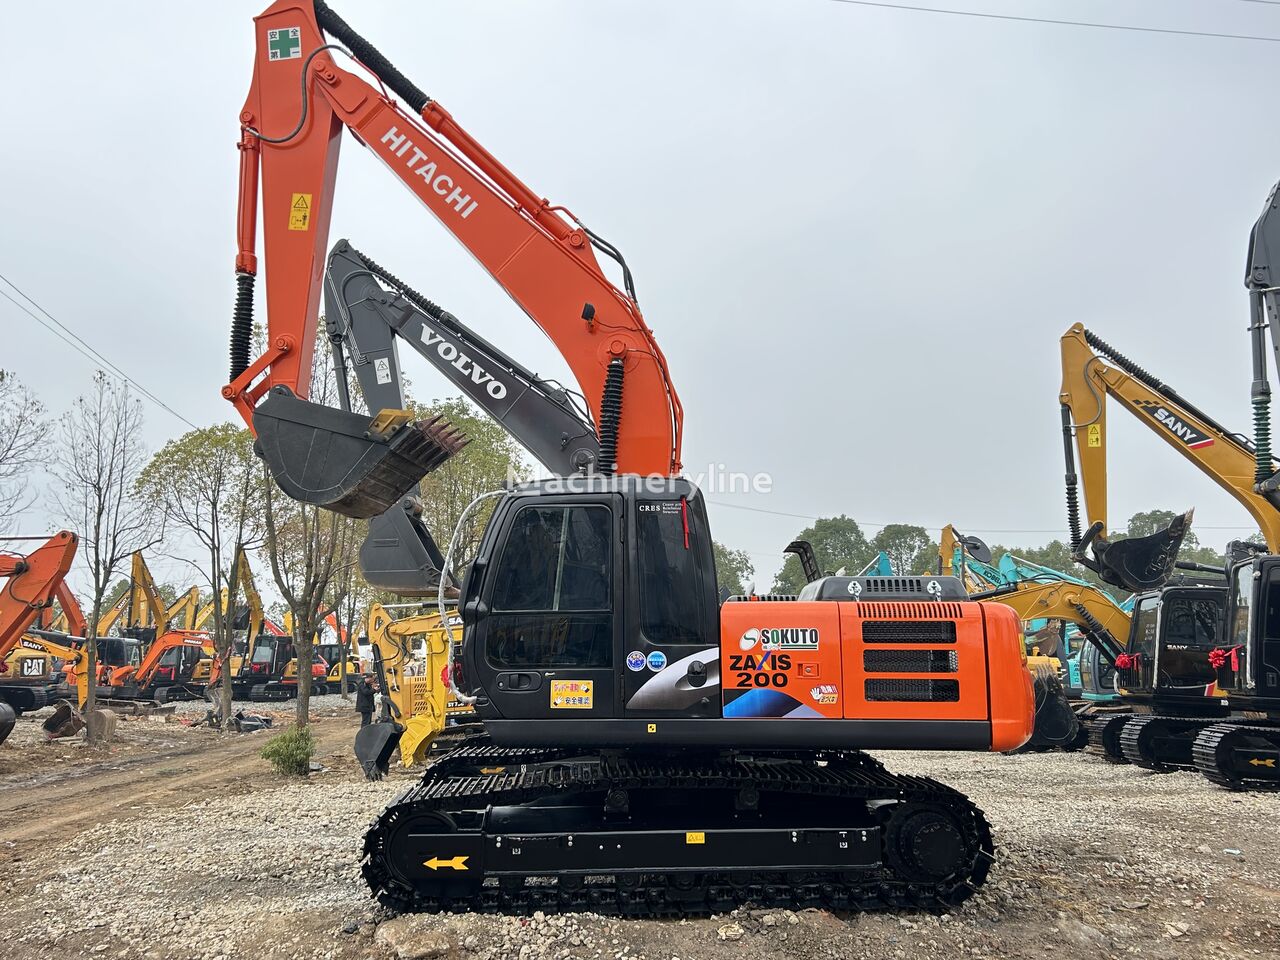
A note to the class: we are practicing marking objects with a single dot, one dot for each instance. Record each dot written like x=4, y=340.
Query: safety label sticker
x=571, y=694
x=382, y=367
x=300, y=212
x=1095, y=435
x=284, y=44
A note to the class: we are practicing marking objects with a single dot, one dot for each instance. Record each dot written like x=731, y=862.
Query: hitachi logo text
x=424, y=167
x=463, y=364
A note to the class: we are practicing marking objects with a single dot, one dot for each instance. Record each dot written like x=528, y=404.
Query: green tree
x=490, y=460
x=733, y=568
x=909, y=548
x=837, y=542
x=208, y=485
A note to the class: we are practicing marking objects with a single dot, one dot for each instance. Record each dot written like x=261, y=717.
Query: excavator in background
x=37, y=676
x=259, y=667
x=326, y=658
x=331, y=648
x=417, y=706
x=645, y=750
x=1172, y=669
x=30, y=585
x=1057, y=725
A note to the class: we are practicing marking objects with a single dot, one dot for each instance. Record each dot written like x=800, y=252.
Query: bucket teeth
x=333, y=459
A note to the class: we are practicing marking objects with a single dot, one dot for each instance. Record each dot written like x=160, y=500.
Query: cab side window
x=552, y=602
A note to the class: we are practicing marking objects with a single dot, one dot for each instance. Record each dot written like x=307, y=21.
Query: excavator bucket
x=1135, y=563
x=375, y=744
x=65, y=722
x=7, y=719
x=354, y=465
x=399, y=554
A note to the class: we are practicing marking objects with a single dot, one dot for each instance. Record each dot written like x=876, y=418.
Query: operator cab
x=584, y=590
x=1171, y=635
x=1251, y=641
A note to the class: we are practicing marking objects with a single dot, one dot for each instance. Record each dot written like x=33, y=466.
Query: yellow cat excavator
x=417, y=702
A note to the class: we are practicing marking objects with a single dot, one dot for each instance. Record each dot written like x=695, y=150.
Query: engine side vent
x=909, y=661
x=912, y=691
x=917, y=611
x=759, y=598
x=908, y=631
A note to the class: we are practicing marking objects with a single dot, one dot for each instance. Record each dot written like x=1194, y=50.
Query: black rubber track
x=1212, y=751
x=1104, y=737
x=847, y=777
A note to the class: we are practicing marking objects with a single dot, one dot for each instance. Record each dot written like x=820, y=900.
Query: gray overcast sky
x=858, y=233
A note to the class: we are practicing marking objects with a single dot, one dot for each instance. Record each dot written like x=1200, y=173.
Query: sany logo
x=1189, y=435
x=424, y=167
x=451, y=355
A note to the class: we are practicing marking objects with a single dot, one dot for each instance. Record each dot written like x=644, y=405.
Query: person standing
x=365, y=700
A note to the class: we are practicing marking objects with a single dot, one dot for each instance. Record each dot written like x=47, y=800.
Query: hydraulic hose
x=368, y=54
x=444, y=579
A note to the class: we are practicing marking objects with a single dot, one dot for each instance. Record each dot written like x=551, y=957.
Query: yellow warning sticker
x=300, y=212
x=698, y=837
x=653, y=728
x=1095, y=435
x=571, y=694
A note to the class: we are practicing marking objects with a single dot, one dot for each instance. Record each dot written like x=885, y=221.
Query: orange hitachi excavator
x=29, y=585
x=646, y=750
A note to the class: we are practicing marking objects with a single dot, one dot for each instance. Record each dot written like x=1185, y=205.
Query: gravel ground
x=191, y=848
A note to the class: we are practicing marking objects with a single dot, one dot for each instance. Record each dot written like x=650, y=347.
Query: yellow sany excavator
x=1168, y=668
x=416, y=701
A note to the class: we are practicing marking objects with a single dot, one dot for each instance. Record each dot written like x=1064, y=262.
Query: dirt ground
x=176, y=842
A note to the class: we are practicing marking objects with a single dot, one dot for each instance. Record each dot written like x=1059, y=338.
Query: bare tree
x=310, y=549
x=21, y=445
x=208, y=484
x=97, y=462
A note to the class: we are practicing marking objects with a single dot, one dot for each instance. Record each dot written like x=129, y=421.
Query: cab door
x=546, y=623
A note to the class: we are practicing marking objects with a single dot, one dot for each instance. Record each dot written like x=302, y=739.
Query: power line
x=1061, y=23
x=84, y=349
x=1060, y=531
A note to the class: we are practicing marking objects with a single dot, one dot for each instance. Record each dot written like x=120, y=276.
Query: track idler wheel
x=925, y=844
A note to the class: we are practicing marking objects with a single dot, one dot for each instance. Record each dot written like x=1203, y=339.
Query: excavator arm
x=1094, y=372
x=182, y=613
x=299, y=102
x=1099, y=618
x=30, y=584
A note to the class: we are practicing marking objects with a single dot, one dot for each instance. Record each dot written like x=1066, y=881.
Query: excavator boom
x=1092, y=373
x=299, y=102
